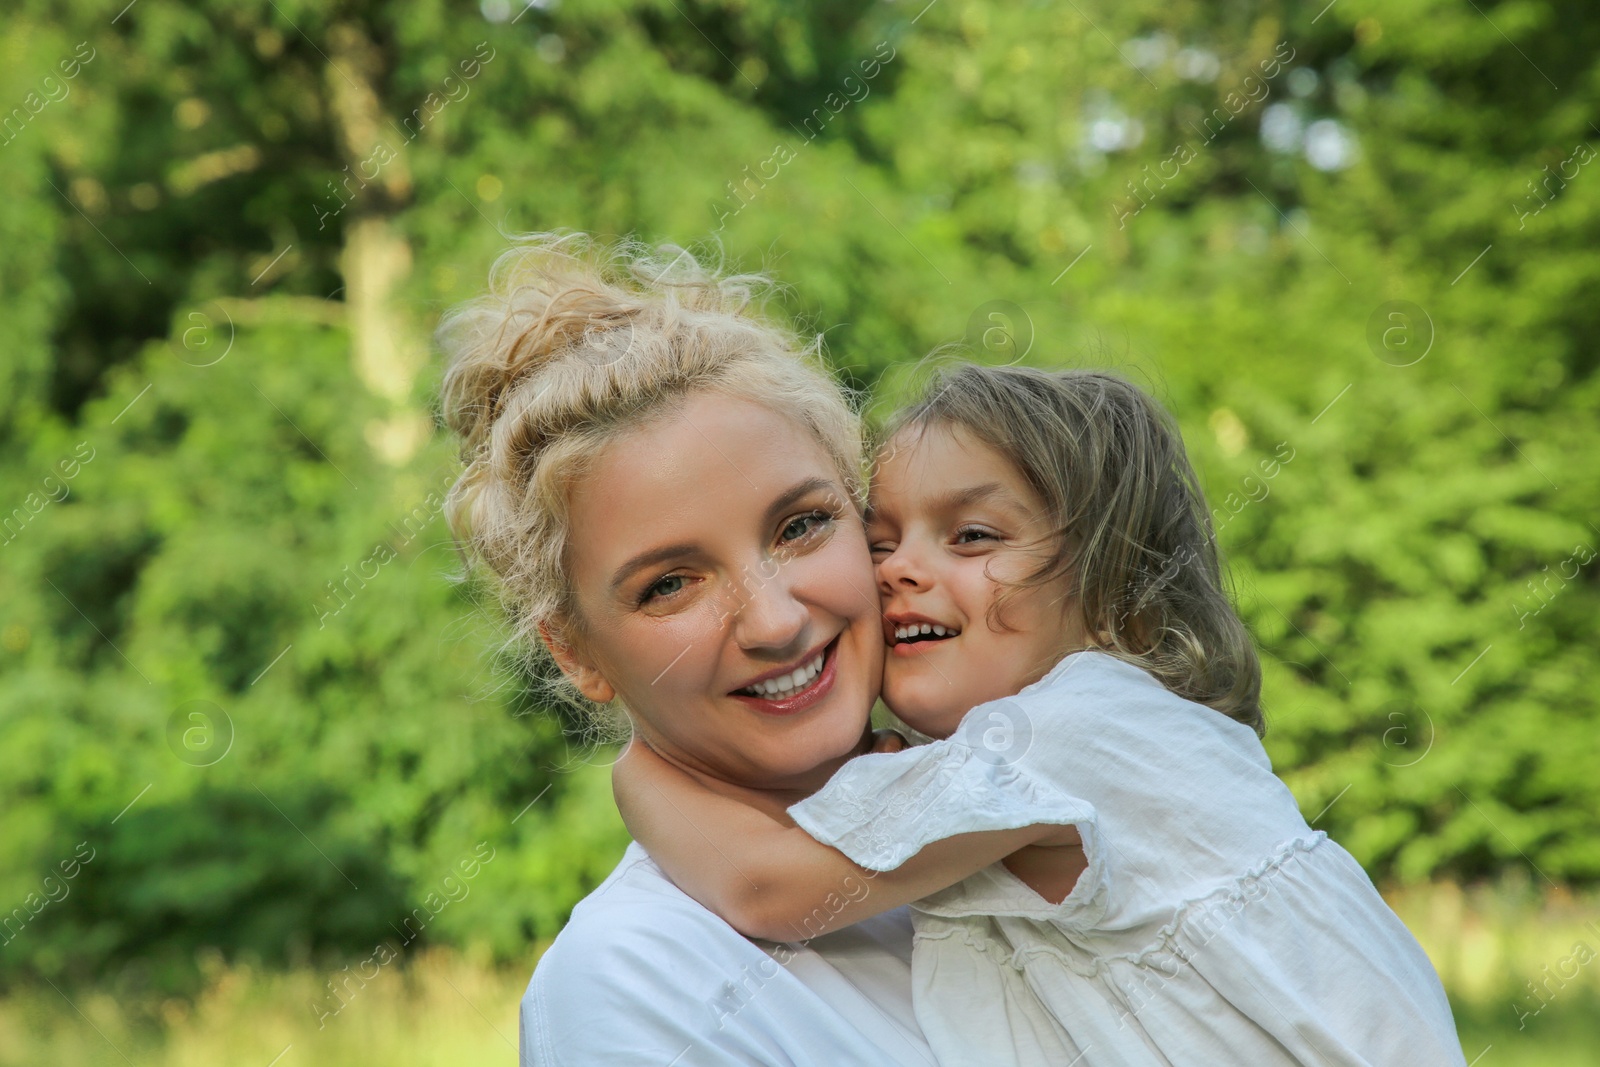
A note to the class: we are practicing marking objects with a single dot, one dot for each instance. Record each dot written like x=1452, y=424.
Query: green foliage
x=180, y=297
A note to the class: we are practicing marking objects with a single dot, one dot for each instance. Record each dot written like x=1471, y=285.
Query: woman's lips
x=807, y=697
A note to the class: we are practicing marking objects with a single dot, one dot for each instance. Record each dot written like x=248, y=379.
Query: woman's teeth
x=787, y=685
x=906, y=633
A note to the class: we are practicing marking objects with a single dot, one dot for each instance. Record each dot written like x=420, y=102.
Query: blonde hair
x=574, y=342
x=1131, y=530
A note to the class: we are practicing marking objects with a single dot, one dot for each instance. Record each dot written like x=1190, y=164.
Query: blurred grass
x=442, y=1009
x=1567, y=1034
x=1488, y=942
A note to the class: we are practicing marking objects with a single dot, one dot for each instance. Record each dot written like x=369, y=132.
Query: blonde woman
x=666, y=489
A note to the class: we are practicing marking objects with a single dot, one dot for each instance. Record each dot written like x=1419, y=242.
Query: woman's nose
x=767, y=614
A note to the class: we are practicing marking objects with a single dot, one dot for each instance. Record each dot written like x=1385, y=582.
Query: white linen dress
x=1211, y=926
x=644, y=975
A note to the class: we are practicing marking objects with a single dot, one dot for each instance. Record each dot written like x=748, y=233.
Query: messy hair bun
x=575, y=341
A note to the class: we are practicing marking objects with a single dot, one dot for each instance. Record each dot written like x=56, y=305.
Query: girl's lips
x=807, y=697
x=894, y=621
x=905, y=649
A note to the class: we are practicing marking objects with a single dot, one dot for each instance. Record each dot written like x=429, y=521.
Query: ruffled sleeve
x=882, y=809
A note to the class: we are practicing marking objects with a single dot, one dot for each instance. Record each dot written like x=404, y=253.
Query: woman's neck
x=774, y=798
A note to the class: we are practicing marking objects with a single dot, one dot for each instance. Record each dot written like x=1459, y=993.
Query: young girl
x=1046, y=560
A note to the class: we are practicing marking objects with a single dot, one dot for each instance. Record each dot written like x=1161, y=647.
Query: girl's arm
x=766, y=877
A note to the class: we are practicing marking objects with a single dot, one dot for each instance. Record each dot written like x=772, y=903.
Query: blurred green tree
x=224, y=237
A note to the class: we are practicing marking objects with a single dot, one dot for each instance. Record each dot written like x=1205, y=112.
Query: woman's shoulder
x=642, y=973
x=637, y=909
x=638, y=967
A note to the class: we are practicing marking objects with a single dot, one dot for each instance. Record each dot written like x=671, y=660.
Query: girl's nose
x=902, y=569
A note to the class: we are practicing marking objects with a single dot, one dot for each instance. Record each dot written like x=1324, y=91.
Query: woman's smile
x=790, y=691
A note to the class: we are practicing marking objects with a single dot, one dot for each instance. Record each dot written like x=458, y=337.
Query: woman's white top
x=1211, y=926
x=644, y=975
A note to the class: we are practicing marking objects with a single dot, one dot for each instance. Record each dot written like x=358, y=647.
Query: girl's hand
x=636, y=780
x=888, y=741
x=765, y=876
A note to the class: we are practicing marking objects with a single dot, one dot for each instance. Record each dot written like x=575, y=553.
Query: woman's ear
x=577, y=667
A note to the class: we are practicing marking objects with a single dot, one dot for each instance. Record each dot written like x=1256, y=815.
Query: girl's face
x=950, y=519
x=726, y=595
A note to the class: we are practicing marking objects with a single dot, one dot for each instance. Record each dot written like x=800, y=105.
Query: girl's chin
x=934, y=721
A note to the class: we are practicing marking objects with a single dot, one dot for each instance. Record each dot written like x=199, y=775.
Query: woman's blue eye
x=663, y=587
x=798, y=527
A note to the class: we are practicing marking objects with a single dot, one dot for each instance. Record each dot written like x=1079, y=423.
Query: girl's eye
x=971, y=534
x=875, y=549
x=662, y=587
x=801, y=525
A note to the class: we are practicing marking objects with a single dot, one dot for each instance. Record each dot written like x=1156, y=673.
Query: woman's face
x=726, y=595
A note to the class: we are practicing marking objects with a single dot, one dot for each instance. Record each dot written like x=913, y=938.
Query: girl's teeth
x=901, y=633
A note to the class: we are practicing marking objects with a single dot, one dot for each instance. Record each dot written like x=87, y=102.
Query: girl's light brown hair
x=1131, y=530
x=575, y=342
